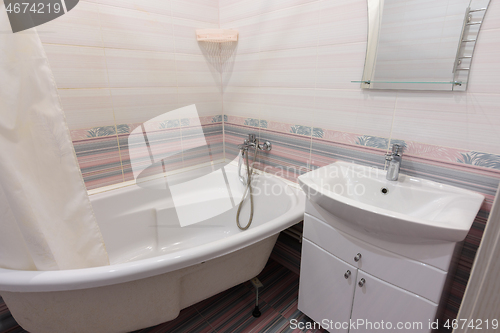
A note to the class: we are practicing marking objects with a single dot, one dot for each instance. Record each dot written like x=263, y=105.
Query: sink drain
x=384, y=190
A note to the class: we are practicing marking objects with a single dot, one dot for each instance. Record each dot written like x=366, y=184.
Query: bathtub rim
x=76, y=279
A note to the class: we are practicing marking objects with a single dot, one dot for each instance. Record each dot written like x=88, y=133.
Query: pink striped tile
x=138, y=105
x=342, y=137
x=77, y=67
x=249, y=30
x=87, y=108
x=208, y=100
x=197, y=71
x=199, y=10
x=355, y=111
x=185, y=35
x=236, y=120
x=233, y=10
x=343, y=21
x=340, y=64
x=293, y=27
x=287, y=105
x=80, y=26
x=245, y=70
x=279, y=127
x=485, y=66
x=294, y=68
x=269, y=6
x=132, y=68
x=151, y=6
x=241, y=101
x=135, y=29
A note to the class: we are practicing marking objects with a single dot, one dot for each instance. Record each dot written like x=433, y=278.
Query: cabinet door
x=324, y=292
x=378, y=301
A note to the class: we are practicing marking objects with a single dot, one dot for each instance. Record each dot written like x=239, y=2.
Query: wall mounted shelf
x=455, y=83
x=216, y=35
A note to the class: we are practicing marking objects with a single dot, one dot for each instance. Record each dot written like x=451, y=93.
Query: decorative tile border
x=427, y=151
x=103, y=152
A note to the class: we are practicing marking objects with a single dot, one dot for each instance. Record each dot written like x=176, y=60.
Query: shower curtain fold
x=46, y=219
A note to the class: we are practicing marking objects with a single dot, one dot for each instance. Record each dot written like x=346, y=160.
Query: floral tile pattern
x=252, y=122
x=480, y=159
x=170, y=124
x=302, y=130
x=318, y=132
x=372, y=141
x=437, y=153
x=107, y=131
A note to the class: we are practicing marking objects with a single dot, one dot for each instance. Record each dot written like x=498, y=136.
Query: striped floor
x=231, y=310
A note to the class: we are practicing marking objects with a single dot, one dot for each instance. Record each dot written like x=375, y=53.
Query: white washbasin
x=412, y=210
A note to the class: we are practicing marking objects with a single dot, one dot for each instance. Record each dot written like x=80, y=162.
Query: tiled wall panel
x=118, y=64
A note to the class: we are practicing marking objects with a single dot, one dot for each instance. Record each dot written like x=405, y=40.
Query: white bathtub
x=157, y=267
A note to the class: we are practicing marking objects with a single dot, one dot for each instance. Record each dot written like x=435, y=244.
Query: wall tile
x=208, y=100
x=343, y=21
x=233, y=10
x=243, y=70
x=77, y=67
x=200, y=10
x=99, y=161
x=455, y=102
x=295, y=68
x=150, y=6
x=138, y=105
x=485, y=68
x=340, y=64
x=249, y=30
x=492, y=14
x=80, y=26
x=293, y=106
x=355, y=111
x=133, y=29
x=185, y=35
x=241, y=101
x=293, y=27
x=197, y=70
x=272, y=5
x=87, y=108
x=131, y=68
x=471, y=122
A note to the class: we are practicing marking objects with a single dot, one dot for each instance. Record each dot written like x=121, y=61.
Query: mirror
x=421, y=44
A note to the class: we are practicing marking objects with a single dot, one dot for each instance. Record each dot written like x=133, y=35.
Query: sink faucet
x=394, y=160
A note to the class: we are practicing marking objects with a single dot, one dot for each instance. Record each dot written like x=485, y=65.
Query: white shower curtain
x=46, y=219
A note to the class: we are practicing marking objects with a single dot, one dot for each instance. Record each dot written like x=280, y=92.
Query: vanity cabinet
x=326, y=285
x=343, y=278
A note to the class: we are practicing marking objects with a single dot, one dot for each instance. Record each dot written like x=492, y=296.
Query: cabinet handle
x=361, y=282
x=347, y=274
x=357, y=257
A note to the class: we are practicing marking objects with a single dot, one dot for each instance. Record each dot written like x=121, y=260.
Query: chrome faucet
x=394, y=160
x=251, y=142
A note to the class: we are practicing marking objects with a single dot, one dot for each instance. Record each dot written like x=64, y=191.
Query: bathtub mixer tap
x=251, y=142
x=394, y=160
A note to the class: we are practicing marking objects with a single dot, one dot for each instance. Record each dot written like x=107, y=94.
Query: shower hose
x=247, y=189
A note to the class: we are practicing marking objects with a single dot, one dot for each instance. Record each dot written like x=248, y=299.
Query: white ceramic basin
x=411, y=210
